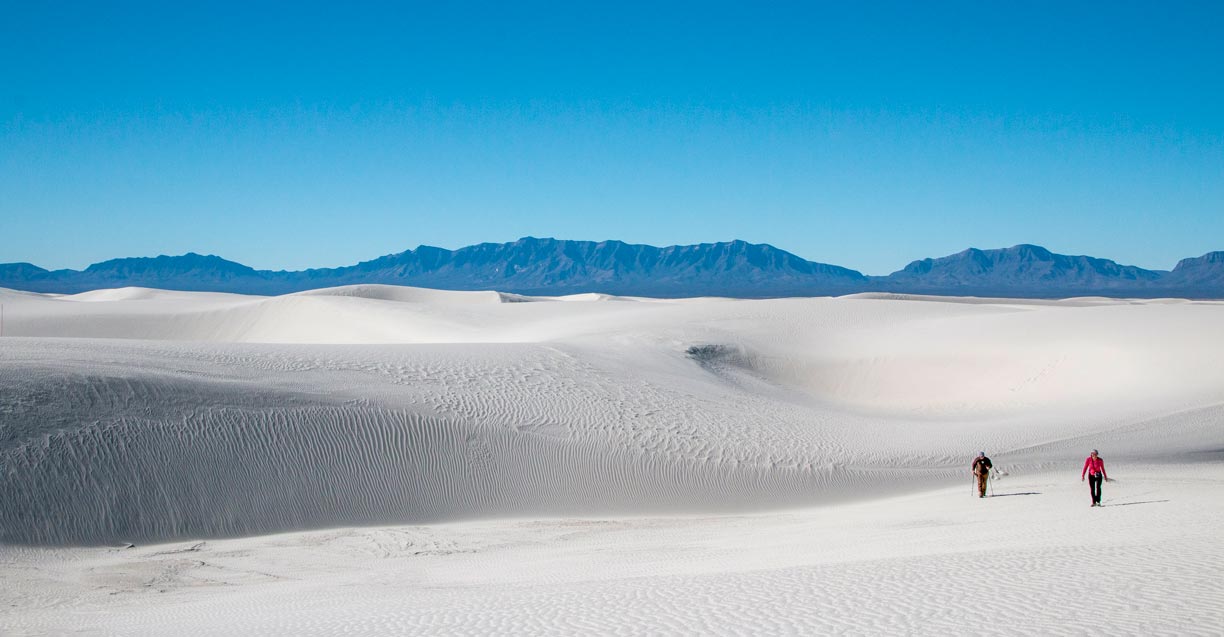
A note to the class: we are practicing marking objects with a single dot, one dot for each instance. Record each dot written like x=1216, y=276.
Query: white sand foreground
x=381, y=460
x=1034, y=559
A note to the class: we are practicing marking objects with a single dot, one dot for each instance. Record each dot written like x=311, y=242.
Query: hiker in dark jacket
x=981, y=469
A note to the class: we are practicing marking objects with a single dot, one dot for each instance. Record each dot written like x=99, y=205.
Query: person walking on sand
x=981, y=468
x=1094, y=468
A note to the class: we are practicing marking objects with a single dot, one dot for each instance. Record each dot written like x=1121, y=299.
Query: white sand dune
x=148, y=294
x=809, y=456
x=404, y=294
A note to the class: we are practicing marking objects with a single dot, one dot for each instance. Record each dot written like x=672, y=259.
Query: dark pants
x=981, y=483
x=1094, y=485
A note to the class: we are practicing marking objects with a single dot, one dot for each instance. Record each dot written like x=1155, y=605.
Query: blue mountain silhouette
x=736, y=268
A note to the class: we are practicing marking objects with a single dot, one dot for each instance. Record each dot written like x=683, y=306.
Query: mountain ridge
x=533, y=265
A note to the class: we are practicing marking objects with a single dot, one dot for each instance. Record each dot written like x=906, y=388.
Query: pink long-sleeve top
x=1094, y=466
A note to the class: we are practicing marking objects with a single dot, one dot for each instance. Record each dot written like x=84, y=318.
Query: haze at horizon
x=864, y=137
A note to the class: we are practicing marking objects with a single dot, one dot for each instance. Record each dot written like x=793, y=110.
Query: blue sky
x=289, y=136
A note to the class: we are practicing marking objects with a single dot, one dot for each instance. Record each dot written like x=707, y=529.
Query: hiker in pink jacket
x=1094, y=467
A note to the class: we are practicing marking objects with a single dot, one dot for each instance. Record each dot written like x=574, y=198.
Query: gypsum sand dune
x=585, y=408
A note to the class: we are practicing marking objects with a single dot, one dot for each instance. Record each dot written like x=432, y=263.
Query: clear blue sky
x=295, y=135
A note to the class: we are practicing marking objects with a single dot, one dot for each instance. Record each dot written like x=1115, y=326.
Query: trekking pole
x=990, y=483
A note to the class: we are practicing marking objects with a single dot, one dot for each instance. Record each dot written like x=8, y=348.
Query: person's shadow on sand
x=1004, y=495
x=1127, y=504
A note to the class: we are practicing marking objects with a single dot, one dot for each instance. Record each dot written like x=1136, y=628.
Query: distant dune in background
x=732, y=269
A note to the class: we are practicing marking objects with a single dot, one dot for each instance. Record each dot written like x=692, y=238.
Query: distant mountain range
x=736, y=268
